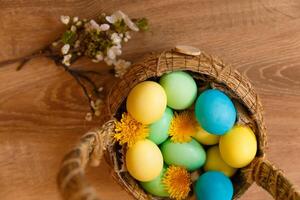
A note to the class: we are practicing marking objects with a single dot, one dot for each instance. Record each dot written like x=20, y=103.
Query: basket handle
x=272, y=179
x=71, y=180
x=73, y=185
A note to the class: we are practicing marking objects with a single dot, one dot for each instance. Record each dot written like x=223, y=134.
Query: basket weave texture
x=208, y=71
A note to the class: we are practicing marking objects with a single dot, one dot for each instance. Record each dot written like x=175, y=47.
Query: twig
x=22, y=64
x=85, y=92
x=95, y=88
x=88, y=72
x=23, y=60
x=75, y=73
x=76, y=77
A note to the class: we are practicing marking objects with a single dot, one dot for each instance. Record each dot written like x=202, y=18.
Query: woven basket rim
x=212, y=68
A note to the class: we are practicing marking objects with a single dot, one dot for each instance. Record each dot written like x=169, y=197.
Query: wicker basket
x=207, y=71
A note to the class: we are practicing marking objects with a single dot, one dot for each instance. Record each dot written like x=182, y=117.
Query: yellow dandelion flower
x=129, y=131
x=183, y=126
x=177, y=181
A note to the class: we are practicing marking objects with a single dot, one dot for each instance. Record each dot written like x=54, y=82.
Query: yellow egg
x=144, y=160
x=147, y=102
x=238, y=147
x=214, y=162
x=206, y=138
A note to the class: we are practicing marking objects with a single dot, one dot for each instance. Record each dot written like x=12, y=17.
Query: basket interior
x=209, y=72
x=203, y=82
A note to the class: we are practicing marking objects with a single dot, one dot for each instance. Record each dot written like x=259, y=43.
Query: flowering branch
x=100, y=40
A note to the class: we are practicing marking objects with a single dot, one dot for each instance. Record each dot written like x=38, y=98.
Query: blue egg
x=213, y=185
x=215, y=112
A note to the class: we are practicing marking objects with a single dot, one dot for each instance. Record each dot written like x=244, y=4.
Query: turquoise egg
x=213, y=185
x=190, y=155
x=156, y=187
x=215, y=112
x=181, y=89
x=159, y=130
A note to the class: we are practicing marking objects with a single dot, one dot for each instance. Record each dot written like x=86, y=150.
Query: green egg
x=156, y=187
x=181, y=89
x=190, y=155
x=159, y=130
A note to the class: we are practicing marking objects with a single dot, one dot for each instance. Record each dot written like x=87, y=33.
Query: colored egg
x=206, y=138
x=215, y=112
x=147, y=102
x=159, y=130
x=238, y=147
x=181, y=89
x=213, y=185
x=214, y=162
x=190, y=155
x=144, y=160
x=156, y=187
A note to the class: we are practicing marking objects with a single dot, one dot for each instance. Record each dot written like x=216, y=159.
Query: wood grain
x=42, y=110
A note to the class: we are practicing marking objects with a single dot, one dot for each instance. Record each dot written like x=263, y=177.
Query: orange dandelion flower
x=183, y=126
x=129, y=131
x=177, y=181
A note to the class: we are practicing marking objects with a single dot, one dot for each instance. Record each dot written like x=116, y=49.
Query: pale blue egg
x=215, y=112
x=213, y=185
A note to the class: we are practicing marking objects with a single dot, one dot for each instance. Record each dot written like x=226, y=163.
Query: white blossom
x=118, y=51
x=127, y=20
x=100, y=89
x=79, y=23
x=111, y=54
x=121, y=66
x=88, y=116
x=130, y=24
x=111, y=19
x=92, y=104
x=115, y=38
x=54, y=44
x=118, y=15
x=119, y=46
x=114, y=51
x=104, y=27
x=65, y=49
x=65, y=19
x=75, y=19
x=127, y=35
x=99, y=56
x=73, y=28
x=108, y=61
x=96, y=105
x=94, y=25
x=67, y=59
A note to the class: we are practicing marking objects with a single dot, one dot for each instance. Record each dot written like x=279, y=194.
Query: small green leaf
x=142, y=24
x=68, y=37
x=120, y=26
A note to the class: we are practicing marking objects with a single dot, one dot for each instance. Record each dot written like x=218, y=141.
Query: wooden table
x=42, y=109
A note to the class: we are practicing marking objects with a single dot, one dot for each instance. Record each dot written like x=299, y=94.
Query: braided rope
x=71, y=180
x=271, y=179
